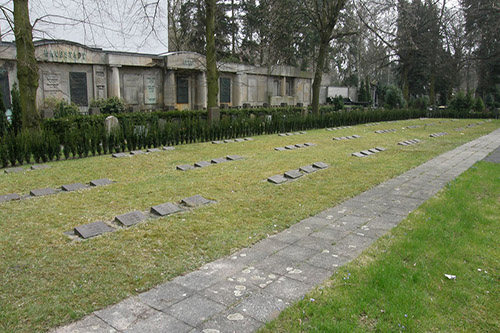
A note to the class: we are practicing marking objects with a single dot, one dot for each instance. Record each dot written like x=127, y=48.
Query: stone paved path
x=242, y=292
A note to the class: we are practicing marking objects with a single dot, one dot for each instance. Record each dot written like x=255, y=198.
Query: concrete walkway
x=242, y=292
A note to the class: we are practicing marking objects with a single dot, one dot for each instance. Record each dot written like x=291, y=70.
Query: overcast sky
x=124, y=25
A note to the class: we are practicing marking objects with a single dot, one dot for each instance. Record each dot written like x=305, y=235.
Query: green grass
x=399, y=284
x=48, y=280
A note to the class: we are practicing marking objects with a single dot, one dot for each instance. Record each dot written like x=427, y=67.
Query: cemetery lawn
x=399, y=285
x=47, y=279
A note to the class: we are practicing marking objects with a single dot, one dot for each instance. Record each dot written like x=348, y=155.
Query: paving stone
x=185, y=167
x=195, y=309
x=287, y=236
x=195, y=201
x=309, y=274
x=295, y=252
x=9, y=197
x=42, y=191
x=219, y=160
x=136, y=152
x=130, y=219
x=165, y=295
x=288, y=289
x=92, y=229
x=234, y=157
x=269, y=245
x=153, y=150
x=202, y=164
x=293, y=174
x=229, y=292
x=290, y=147
x=159, y=322
x=320, y=165
x=73, y=187
x=14, y=170
x=40, y=167
x=197, y=280
x=330, y=234
x=367, y=231
x=275, y=264
x=314, y=223
x=224, y=267
x=231, y=321
x=101, y=182
x=278, y=179
x=168, y=148
x=255, y=277
x=317, y=244
x=280, y=148
x=262, y=306
x=308, y=169
x=328, y=259
x=89, y=324
x=125, y=313
x=352, y=245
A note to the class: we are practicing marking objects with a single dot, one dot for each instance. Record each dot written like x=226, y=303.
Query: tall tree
x=324, y=15
x=211, y=55
x=27, y=67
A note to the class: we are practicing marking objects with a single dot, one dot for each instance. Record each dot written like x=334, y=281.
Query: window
x=182, y=90
x=277, y=87
x=289, y=86
x=225, y=90
x=78, y=88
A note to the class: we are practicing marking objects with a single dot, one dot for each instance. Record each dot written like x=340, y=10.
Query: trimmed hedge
x=83, y=136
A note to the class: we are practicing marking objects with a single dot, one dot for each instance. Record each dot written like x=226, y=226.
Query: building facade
x=79, y=74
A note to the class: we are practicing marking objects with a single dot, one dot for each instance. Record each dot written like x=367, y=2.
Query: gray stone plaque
x=129, y=219
x=308, y=169
x=14, y=170
x=308, y=144
x=234, y=157
x=366, y=152
x=289, y=134
x=39, y=167
x=373, y=150
x=219, y=160
x=278, y=179
x=320, y=165
x=93, y=229
x=282, y=134
x=228, y=141
x=356, y=136
x=302, y=132
x=153, y=150
x=280, y=148
x=9, y=197
x=402, y=144
x=296, y=133
x=168, y=148
x=239, y=140
x=293, y=174
x=184, y=167
x=290, y=147
x=380, y=148
x=166, y=209
x=300, y=145
x=358, y=155
x=73, y=187
x=101, y=182
x=42, y=192
x=195, y=201
x=248, y=139
x=136, y=152
x=202, y=164
x=217, y=142
x=118, y=155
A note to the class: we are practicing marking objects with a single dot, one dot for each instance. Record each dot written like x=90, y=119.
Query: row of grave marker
x=290, y=133
x=140, y=152
x=293, y=147
x=337, y=128
x=368, y=152
x=132, y=218
x=21, y=169
x=50, y=191
x=392, y=130
x=409, y=142
x=435, y=135
x=297, y=173
x=231, y=141
x=355, y=136
x=202, y=164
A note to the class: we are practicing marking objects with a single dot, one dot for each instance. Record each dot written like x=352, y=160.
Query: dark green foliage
x=479, y=105
x=63, y=109
x=420, y=103
x=17, y=117
x=4, y=124
x=391, y=97
x=4, y=154
x=110, y=105
x=462, y=103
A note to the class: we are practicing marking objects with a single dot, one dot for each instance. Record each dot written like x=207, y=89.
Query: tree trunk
x=212, y=73
x=27, y=67
x=320, y=65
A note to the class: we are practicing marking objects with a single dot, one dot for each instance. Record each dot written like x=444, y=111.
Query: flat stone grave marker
x=282, y=134
x=302, y=132
x=366, y=152
x=308, y=169
x=278, y=179
x=217, y=142
x=130, y=219
x=358, y=155
x=290, y=147
x=153, y=150
x=373, y=150
x=184, y=167
x=118, y=155
x=403, y=143
x=297, y=133
x=320, y=165
x=101, y=182
x=14, y=170
x=289, y=134
x=337, y=139
x=92, y=229
x=194, y=201
x=239, y=140
x=228, y=141
x=248, y=139
x=380, y=149
x=280, y=148
x=136, y=152
x=168, y=148
x=293, y=174
x=39, y=167
x=9, y=197
x=202, y=164
x=42, y=191
x=300, y=145
x=356, y=136
x=166, y=209
x=308, y=144
x=219, y=160
x=234, y=157
x=73, y=187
